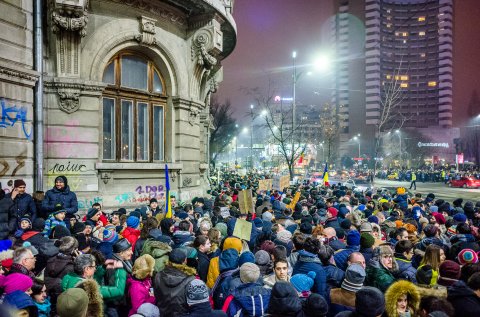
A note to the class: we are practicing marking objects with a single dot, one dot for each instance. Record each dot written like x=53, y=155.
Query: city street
x=439, y=189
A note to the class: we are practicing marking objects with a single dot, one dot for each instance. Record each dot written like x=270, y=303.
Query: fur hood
x=394, y=292
x=95, y=300
x=436, y=290
x=189, y=271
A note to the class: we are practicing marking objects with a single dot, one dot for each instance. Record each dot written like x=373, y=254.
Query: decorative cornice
x=14, y=74
x=156, y=9
x=70, y=16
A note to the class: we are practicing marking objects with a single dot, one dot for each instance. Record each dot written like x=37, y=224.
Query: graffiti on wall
x=11, y=115
x=85, y=203
x=80, y=175
x=142, y=195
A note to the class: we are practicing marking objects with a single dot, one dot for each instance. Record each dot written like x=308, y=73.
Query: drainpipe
x=38, y=92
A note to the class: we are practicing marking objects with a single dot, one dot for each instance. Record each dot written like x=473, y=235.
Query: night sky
x=270, y=30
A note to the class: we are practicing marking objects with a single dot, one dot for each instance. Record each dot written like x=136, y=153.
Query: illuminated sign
x=432, y=144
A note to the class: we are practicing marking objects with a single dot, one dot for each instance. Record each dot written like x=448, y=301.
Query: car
x=393, y=176
x=465, y=182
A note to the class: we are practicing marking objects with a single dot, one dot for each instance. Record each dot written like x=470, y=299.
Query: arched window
x=133, y=110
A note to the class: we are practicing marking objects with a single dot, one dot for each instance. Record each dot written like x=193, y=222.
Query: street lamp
x=323, y=152
x=294, y=56
x=357, y=138
x=400, y=138
x=236, y=150
x=251, y=136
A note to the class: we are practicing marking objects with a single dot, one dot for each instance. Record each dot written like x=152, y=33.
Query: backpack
x=159, y=251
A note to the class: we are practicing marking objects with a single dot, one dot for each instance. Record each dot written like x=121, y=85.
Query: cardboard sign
x=265, y=184
x=245, y=201
x=280, y=182
x=243, y=229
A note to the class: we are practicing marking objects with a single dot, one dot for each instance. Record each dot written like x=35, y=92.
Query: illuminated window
x=404, y=85
x=421, y=19
x=404, y=77
x=405, y=34
x=423, y=54
x=421, y=33
x=389, y=25
x=389, y=76
x=432, y=83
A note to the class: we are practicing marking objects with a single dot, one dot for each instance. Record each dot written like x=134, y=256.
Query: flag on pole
x=168, y=203
x=325, y=175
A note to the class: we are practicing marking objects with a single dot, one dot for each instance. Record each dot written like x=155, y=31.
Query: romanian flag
x=325, y=175
x=168, y=203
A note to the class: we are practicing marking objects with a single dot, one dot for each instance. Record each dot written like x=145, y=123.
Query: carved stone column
x=68, y=21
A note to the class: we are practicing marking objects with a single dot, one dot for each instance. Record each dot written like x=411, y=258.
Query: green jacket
x=110, y=292
x=379, y=277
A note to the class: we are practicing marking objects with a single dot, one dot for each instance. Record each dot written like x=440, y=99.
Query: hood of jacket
x=56, y=265
x=174, y=274
x=436, y=291
x=459, y=289
x=284, y=300
x=462, y=238
x=305, y=256
x=95, y=300
x=398, y=289
x=228, y=260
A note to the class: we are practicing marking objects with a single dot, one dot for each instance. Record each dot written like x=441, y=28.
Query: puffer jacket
x=249, y=299
x=170, y=289
x=463, y=299
x=378, y=276
x=139, y=293
x=398, y=289
x=181, y=239
x=8, y=219
x=310, y=262
x=341, y=256
x=23, y=204
x=57, y=268
x=406, y=270
x=460, y=242
x=131, y=235
x=65, y=197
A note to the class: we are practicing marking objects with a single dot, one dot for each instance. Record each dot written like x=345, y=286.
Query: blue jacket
x=65, y=197
x=401, y=200
x=341, y=256
x=249, y=299
x=406, y=270
x=310, y=262
x=334, y=275
x=24, y=205
x=21, y=300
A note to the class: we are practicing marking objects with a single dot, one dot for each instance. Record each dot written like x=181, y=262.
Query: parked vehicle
x=465, y=182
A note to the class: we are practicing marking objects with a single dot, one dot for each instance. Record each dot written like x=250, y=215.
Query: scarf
x=127, y=265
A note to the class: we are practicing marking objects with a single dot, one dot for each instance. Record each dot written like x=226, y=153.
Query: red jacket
x=131, y=235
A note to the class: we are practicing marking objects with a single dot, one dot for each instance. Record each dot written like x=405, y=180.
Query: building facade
x=126, y=87
x=403, y=61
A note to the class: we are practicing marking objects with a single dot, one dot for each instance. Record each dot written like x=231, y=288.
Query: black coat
x=8, y=220
x=463, y=299
x=24, y=205
x=66, y=198
x=203, y=264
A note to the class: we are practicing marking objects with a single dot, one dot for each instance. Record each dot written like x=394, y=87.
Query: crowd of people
x=308, y=251
x=427, y=175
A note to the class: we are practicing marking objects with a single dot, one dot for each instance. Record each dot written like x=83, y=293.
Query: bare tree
x=329, y=127
x=224, y=128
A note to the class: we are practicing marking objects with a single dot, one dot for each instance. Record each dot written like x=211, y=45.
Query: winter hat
x=373, y=219
x=197, y=292
x=92, y=212
x=18, y=183
x=177, y=256
x=353, y=238
x=439, y=218
x=354, y=278
x=284, y=236
x=110, y=236
x=246, y=257
x=306, y=228
x=284, y=300
x=182, y=215
x=121, y=245
x=16, y=282
x=78, y=227
x=262, y=257
x=333, y=211
x=449, y=272
x=27, y=219
x=433, y=208
x=369, y=302
x=222, y=227
x=467, y=256
x=460, y=218
x=68, y=245
x=249, y=273
x=148, y=310
x=430, y=230
x=303, y=282
x=316, y=305
x=60, y=232
x=32, y=248
x=133, y=222
x=366, y=227
x=346, y=224
x=267, y=216
x=366, y=240
x=401, y=190
x=258, y=223
x=72, y=303
x=38, y=224
x=232, y=243
x=143, y=267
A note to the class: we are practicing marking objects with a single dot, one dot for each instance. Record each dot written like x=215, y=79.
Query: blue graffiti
x=13, y=114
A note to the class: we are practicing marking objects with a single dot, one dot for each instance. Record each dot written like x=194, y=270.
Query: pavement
x=441, y=190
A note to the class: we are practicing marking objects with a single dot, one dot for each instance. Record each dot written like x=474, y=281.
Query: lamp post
x=400, y=138
x=251, y=136
x=294, y=56
x=357, y=138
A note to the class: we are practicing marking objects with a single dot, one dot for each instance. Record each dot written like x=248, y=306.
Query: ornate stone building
x=126, y=87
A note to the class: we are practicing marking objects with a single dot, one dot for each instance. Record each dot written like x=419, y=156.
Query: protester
x=60, y=197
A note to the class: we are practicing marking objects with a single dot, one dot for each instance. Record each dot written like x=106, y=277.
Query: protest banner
x=265, y=184
x=245, y=202
x=243, y=229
